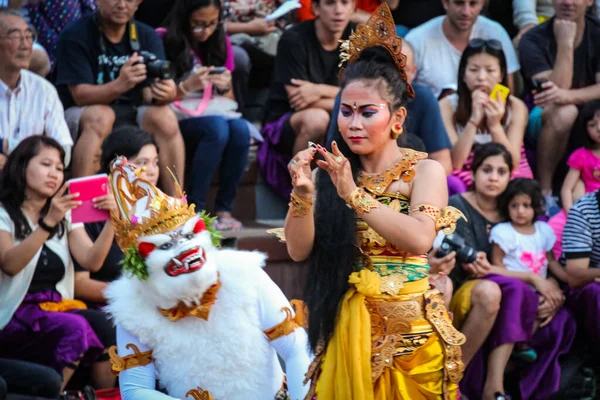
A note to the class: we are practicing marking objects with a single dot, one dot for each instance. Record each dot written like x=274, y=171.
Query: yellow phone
x=499, y=88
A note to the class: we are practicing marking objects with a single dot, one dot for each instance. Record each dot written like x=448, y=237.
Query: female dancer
x=377, y=329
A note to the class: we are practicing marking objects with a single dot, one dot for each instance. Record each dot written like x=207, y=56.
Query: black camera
x=156, y=68
x=453, y=242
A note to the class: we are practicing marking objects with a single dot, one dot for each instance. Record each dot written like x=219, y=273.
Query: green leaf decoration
x=133, y=264
x=209, y=221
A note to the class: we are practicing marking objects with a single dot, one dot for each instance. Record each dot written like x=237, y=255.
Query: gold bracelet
x=361, y=201
x=299, y=206
x=445, y=219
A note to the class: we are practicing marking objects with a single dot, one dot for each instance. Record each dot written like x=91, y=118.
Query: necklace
x=403, y=168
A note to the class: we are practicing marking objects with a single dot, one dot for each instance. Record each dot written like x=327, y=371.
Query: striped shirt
x=581, y=236
x=32, y=108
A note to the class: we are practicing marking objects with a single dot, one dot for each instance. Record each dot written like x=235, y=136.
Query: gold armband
x=137, y=359
x=444, y=219
x=289, y=324
x=299, y=206
x=361, y=201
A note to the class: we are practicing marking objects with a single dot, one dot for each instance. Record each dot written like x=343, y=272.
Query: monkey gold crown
x=143, y=209
x=380, y=30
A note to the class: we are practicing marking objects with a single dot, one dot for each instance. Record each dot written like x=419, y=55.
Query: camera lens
x=160, y=69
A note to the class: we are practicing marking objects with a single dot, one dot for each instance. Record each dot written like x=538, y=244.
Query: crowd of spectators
x=82, y=81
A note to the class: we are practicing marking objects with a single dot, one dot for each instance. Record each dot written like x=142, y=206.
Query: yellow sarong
x=346, y=367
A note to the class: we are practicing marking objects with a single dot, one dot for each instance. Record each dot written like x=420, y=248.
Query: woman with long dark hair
x=378, y=330
x=493, y=311
x=39, y=320
x=473, y=118
x=213, y=131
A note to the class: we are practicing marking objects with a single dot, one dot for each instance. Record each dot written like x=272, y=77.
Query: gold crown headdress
x=380, y=30
x=142, y=208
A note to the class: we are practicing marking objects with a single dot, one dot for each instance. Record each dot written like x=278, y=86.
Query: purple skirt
x=273, y=164
x=514, y=324
x=54, y=339
x=585, y=304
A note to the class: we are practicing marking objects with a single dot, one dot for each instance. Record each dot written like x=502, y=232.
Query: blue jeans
x=212, y=141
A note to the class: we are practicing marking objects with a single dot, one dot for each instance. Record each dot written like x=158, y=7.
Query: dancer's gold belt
x=403, y=323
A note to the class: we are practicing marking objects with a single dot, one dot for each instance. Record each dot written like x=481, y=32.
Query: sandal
x=228, y=224
x=527, y=355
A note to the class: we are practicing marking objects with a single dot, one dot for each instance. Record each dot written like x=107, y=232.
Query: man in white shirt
x=29, y=105
x=438, y=44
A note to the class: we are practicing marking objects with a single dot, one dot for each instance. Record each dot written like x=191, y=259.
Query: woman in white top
x=473, y=118
x=39, y=320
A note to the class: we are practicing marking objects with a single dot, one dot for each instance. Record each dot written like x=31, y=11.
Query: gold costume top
x=390, y=319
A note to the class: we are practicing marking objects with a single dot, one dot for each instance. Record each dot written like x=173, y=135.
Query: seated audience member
x=409, y=14
x=104, y=82
x=255, y=41
x=28, y=379
x=141, y=151
x=423, y=118
x=216, y=138
x=583, y=164
x=39, y=320
x=473, y=118
x=29, y=105
x=484, y=303
x=581, y=249
x=522, y=249
x=305, y=84
x=51, y=17
x=364, y=9
x=439, y=43
x=565, y=51
x=528, y=14
x=39, y=62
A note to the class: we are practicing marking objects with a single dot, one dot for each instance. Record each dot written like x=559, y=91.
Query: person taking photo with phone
x=472, y=116
x=214, y=132
x=39, y=320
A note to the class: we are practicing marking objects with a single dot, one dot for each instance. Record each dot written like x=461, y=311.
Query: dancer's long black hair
x=334, y=251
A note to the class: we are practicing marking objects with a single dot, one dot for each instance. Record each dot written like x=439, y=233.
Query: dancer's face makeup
x=365, y=121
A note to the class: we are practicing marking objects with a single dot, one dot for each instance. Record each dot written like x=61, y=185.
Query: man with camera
x=110, y=72
x=561, y=60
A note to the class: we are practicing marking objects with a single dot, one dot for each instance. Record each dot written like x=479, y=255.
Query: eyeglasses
x=202, y=27
x=29, y=36
x=491, y=43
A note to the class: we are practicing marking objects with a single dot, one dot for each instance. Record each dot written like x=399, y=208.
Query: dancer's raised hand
x=339, y=169
x=299, y=168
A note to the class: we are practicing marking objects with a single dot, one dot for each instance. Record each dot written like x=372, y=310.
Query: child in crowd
x=584, y=163
x=584, y=172
x=523, y=246
x=215, y=135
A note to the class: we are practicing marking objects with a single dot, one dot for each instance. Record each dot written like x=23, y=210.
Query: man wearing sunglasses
x=439, y=43
x=561, y=60
x=29, y=105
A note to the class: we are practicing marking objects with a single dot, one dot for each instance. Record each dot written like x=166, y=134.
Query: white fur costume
x=228, y=354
